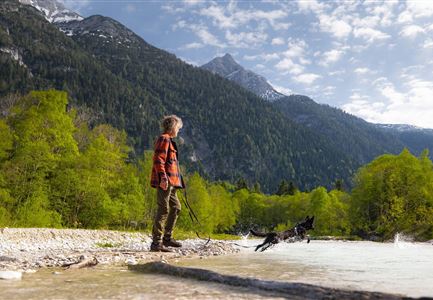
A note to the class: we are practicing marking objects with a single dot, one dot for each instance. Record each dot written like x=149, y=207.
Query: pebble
x=131, y=261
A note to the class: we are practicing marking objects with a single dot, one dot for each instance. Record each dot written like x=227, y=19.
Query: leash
x=193, y=216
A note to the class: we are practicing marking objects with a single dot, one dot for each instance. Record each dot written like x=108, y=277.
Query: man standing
x=167, y=179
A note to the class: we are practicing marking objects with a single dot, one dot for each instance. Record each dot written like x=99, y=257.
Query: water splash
x=402, y=241
x=245, y=237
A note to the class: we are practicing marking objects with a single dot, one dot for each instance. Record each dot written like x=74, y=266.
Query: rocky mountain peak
x=53, y=10
x=228, y=68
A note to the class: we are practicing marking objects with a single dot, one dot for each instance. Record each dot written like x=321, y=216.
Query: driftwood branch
x=83, y=262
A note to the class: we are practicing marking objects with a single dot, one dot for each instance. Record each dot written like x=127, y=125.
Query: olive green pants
x=166, y=213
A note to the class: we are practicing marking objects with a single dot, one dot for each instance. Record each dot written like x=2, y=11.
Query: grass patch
x=107, y=245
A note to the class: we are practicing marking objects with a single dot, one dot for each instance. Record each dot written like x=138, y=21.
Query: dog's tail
x=258, y=233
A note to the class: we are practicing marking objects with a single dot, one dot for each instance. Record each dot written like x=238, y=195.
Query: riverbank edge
x=27, y=250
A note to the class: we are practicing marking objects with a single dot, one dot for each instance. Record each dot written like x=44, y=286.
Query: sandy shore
x=29, y=249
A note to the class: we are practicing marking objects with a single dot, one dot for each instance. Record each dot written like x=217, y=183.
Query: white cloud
x=370, y=35
x=368, y=21
x=415, y=9
x=330, y=57
x=411, y=31
x=217, y=13
x=383, y=12
x=192, y=2
x=232, y=17
x=280, y=25
x=263, y=56
x=312, y=5
x=172, y=9
x=277, y=41
x=307, y=78
x=428, y=43
x=289, y=66
x=202, y=32
x=328, y=90
x=245, y=39
x=206, y=37
x=296, y=48
x=189, y=46
x=420, y=8
x=337, y=73
x=363, y=71
x=335, y=26
x=414, y=106
x=405, y=17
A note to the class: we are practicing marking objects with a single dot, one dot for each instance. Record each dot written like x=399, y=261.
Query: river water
x=399, y=268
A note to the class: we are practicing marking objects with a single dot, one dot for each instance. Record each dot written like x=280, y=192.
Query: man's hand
x=163, y=184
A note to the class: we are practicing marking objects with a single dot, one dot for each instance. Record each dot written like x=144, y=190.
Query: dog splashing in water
x=298, y=232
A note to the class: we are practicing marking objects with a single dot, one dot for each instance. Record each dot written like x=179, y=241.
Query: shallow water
x=399, y=268
x=104, y=282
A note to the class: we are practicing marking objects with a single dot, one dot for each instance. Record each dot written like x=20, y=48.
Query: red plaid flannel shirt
x=165, y=163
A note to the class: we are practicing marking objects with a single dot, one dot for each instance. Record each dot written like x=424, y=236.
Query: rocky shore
x=29, y=249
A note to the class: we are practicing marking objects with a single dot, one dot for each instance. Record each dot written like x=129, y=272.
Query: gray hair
x=168, y=123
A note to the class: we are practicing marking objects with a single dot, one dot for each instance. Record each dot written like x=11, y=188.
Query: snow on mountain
x=54, y=11
x=228, y=68
x=404, y=128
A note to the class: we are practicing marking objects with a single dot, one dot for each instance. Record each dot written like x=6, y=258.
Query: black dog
x=298, y=232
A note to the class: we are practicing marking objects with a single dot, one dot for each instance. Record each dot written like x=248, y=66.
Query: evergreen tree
x=283, y=188
x=241, y=184
x=292, y=189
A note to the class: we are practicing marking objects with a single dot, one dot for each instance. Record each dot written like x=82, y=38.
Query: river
x=400, y=268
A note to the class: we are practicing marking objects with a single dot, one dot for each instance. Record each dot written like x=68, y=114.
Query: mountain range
x=231, y=130
x=362, y=140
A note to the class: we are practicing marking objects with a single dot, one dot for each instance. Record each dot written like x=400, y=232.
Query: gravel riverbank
x=29, y=249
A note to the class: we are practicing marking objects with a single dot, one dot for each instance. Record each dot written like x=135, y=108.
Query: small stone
x=131, y=261
x=7, y=258
x=57, y=273
x=8, y=275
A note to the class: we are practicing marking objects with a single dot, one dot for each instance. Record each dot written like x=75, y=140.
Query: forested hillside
x=361, y=140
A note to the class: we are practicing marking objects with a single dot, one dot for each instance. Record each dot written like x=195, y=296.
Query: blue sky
x=373, y=59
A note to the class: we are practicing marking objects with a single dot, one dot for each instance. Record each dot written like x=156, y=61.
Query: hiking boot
x=159, y=248
x=171, y=243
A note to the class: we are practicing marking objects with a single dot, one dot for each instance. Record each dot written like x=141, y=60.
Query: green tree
x=201, y=204
x=394, y=193
x=44, y=140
